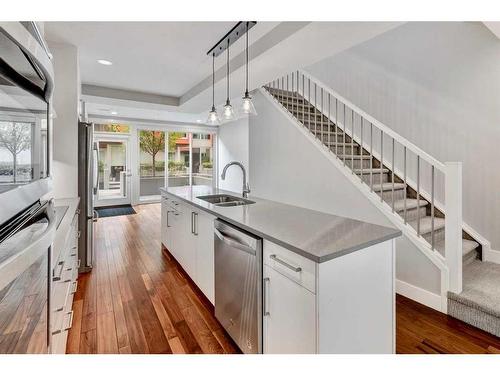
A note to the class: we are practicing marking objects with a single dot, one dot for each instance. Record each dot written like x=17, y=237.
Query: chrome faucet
x=246, y=187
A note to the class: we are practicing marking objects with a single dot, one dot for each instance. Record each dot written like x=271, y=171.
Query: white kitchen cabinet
x=205, y=271
x=327, y=307
x=163, y=230
x=186, y=247
x=188, y=235
x=289, y=315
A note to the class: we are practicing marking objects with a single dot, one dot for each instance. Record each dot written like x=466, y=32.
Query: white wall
x=65, y=128
x=287, y=168
x=438, y=85
x=233, y=146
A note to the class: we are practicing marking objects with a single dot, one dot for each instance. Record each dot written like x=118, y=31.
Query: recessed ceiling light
x=198, y=121
x=104, y=62
x=114, y=112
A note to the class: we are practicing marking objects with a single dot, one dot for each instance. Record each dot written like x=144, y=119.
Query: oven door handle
x=234, y=243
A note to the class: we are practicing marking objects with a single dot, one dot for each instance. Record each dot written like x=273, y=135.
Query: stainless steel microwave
x=26, y=84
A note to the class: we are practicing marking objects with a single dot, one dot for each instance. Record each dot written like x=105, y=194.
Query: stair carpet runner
x=471, y=305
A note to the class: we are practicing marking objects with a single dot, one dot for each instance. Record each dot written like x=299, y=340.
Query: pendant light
x=228, y=111
x=247, y=107
x=213, y=117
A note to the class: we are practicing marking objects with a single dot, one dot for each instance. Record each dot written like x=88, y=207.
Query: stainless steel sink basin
x=225, y=200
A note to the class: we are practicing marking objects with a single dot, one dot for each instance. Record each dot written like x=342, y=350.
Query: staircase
x=405, y=201
x=407, y=183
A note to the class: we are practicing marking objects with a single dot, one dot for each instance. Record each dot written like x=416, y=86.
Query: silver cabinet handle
x=194, y=223
x=57, y=275
x=266, y=282
x=70, y=321
x=168, y=225
x=95, y=216
x=282, y=262
x=75, y=286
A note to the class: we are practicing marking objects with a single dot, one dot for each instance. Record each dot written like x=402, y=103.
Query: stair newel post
x=315, y=109
x=287, y=94
x=371, y=158
x=418, y=195
x=453, y=224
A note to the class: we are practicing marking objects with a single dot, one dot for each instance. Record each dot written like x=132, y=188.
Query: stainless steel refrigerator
x=88, y=180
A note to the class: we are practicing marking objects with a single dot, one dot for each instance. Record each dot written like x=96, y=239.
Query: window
x=178, y=159
x=202, y=171
x=112, y=128
x=151, y=162
x=190, y=159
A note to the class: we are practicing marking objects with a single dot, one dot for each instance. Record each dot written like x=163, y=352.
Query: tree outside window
x=15, y=137
x=152, y=142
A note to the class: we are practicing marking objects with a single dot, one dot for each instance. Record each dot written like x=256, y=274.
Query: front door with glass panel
x=114, y=171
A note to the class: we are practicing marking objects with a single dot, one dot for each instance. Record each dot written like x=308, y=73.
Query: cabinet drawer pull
x=266, y=282
x=282, y=262
x=78, y=264
x=70, y=321
x=58, y=275
x=75, y=286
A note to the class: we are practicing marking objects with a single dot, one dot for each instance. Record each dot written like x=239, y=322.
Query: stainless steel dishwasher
x=238, y=285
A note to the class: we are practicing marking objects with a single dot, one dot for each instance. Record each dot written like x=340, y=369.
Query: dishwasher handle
x=234, y=243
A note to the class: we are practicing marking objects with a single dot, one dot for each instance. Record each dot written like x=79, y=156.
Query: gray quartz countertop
x=315, y=235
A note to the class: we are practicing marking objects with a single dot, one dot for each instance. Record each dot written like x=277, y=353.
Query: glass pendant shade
x=247, y=107
x=213, y=117
x=228, y=113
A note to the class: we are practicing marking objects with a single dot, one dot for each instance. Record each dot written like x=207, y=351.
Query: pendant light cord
x=228, y=70
x=246, y=81
x=213, y=80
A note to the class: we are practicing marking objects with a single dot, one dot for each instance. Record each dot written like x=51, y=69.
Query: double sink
x=225, y=200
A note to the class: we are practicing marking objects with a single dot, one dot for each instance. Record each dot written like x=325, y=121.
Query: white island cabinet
x=343, y=305
x=336, y=297
x=187, y=233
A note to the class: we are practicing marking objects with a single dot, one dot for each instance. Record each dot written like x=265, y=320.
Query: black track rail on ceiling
x=233, y=35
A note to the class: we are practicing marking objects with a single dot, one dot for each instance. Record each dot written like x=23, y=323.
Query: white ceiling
x=166, y=58
x=169, y=59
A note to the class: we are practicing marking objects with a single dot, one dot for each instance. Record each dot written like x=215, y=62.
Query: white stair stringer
x=407, y=230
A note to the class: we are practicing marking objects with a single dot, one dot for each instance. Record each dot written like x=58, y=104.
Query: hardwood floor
x=137, y=300
x=420, y=329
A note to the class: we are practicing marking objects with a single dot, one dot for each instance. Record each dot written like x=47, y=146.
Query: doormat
x=109, y=211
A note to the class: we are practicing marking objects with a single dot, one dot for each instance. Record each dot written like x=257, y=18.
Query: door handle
x=266, y=282
x=234, y=243
x=168, y=225
x=194, y=223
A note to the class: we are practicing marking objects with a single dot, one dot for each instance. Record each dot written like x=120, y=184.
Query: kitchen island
x=329, y=280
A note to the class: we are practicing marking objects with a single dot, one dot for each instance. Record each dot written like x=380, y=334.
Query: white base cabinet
x=187, y=233
x=344, y=305
x=289, y=315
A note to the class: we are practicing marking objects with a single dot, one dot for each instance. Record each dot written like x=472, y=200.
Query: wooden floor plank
x=107, y=342
x=73, y=343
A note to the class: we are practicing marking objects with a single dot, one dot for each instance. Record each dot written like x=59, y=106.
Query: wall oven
x=27, y=219
x=26, y=83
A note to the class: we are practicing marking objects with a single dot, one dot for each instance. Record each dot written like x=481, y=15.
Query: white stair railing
x=397, y=168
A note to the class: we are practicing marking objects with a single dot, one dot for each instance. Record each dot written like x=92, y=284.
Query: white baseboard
x=420, y=295
x=491, y=255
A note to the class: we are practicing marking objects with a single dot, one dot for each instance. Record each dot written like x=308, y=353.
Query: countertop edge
x=281, y=243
